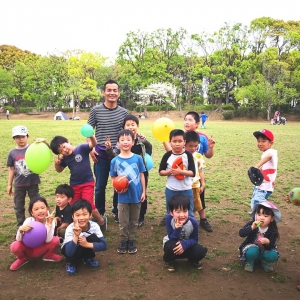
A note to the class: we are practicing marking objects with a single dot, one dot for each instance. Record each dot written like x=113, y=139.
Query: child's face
x=82, y=216
x=180, y=214
x=125, y=142
x=263, y=143
x=132, y=126
x=189, y=123
x=39, y=211
x=62, y=200
x=65, y=149
x=264, y=219
x=21, y=140
x=191, y=146
x=177, y=143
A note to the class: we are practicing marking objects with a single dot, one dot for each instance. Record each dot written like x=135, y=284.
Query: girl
x=261, y=234
x=39, y=211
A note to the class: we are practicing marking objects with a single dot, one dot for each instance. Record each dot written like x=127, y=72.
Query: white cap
x=19, y=130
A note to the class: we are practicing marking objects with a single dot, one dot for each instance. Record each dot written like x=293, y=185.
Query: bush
x=228, y=107
x=228, y=115
x=25, y=110
x=11, y=109
x=154, y=108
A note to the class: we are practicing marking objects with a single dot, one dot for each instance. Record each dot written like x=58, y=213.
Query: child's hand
x=108, y=143
x=25, y=228
x=42, y=140
x=76, y=229
x=255, y=225
x=178, y=249
x=264, y=241
x=143, y=197
x=178, y=224
x=58, y=160
x=177, y=171
x=287, y=199
x=142, y=136
x=211, y=142
x=50, y=218
x=83, y=242
x=201, y=189
x=9, y=191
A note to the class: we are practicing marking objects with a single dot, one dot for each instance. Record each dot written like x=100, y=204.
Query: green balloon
x=38, y=157
x=87, y=130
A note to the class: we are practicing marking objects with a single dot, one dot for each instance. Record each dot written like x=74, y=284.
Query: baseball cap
x=265, y=132
x=19, y=130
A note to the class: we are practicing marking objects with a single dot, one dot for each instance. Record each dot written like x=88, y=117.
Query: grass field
x=228, y=192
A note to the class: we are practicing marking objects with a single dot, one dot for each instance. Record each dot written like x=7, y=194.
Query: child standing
x=141, y=146
x=261, y=234
x=198, y=182
x=204, y=117
x=129, y=203
x=39, y=211
x=83, y=237
x=267, y=165
x=78, y=161
x=179, y=174
x=24, y=180
x=182, y=235
x=64, y=193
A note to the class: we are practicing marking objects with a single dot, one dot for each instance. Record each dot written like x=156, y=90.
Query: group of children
x=183, y=164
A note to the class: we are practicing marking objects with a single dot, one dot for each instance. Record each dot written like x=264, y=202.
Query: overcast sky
x=43, y=26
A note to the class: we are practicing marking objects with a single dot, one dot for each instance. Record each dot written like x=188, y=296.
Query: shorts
x=84, y=191
x=197, y=201
x=259, y=196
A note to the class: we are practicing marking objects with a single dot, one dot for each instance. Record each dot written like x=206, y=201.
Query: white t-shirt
x=269, y=170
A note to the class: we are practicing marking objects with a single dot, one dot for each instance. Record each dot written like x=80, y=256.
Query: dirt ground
x=142, y=275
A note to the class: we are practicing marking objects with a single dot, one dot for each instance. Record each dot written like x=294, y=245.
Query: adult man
x=107, y=118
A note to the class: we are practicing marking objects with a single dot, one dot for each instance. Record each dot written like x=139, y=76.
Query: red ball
x=121, y=184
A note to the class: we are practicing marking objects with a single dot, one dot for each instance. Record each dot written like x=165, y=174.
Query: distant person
x=19, y=176
x=276, y=117
x=204, y=118
x=181, y=240
x=7, y=114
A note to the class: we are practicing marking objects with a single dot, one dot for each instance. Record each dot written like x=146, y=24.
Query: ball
x=38, y=157
x=121, y=184
x=294, y=196
x=36, y=236
x=149, y=161
x=87, y=130
x=161, y=129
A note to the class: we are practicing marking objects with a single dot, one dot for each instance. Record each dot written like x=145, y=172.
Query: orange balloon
x=161, y=129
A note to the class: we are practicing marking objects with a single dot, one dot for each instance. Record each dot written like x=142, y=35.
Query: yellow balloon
x=161, y=129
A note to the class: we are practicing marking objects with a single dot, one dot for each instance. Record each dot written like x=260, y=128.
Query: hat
x=19, y=130
x=270, y=205
x=265, y=132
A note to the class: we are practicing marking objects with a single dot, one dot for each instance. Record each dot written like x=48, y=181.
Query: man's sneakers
x=17, y=264
x=53, y=257
x=123, y=246
x=206, y=225
x=70, y=268
x=91, y=262
x=132, y=247
x=170, y=266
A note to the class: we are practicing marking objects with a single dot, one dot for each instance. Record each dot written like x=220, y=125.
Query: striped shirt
x=108, y=122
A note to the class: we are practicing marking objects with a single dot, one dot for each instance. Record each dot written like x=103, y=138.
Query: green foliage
x=25, y=110
x=228, y=115
x=154, y=108
x=11, y=109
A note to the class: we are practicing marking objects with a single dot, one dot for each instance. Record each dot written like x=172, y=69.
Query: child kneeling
x=82, y=238
x=182, y=238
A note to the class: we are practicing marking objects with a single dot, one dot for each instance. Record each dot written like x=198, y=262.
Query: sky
x=46, y=27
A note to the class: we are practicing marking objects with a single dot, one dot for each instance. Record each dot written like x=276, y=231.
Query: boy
x=267, y=165
x=203, y=117
x=24, y=180
x=83, y=237
x=198, y=183
x=141, y=147
x=179, y=173
x=132, y=166
x=64, y=193
x=78, y=161
x=182, y=235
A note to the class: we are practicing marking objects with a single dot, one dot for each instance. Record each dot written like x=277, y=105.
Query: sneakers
x=17, y=264
x=53, y=257
x=267, y=267
x=141, y=221
x=104, y=226
x=197, y=265
x=91, y=262
x=248, y=266
x=170, y=266
x=131, y=247
x=206, y=225
x=122, y=247
x=70, y=268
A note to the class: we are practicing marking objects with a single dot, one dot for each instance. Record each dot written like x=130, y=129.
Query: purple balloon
x=36, y=236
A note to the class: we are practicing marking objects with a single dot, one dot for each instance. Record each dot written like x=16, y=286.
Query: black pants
x=81, y=252
x=202, y=198
x=193, y=254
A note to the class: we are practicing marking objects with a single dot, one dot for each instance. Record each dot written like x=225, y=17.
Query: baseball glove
x=256, y=176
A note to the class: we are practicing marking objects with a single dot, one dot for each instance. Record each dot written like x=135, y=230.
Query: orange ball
x=121, y=184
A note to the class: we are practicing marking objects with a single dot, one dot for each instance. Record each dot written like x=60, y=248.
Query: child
x=83, y=237
x=39, y=211
x=261, y=234
x=64, y=193
x=141, y=147
x=198, y=183
x=175, y=185
x=267, y=165
x=204, y=117
x=78, y=161
x=132, y=166
x=24, y=180
x=182, y=238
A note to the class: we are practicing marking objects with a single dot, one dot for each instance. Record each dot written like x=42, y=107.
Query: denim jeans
x=188, y=193
x=259, y=196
